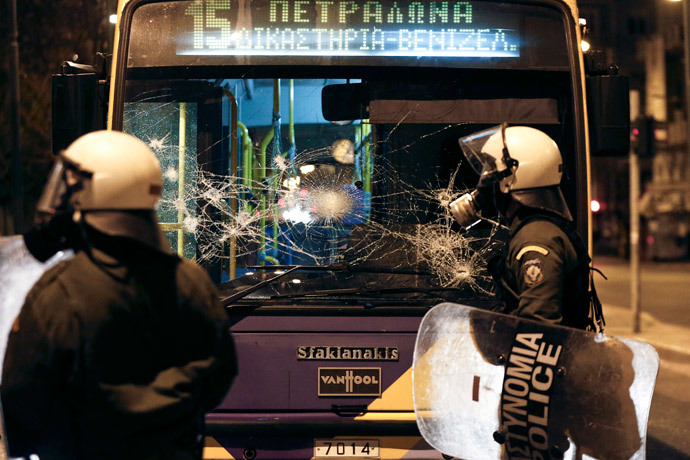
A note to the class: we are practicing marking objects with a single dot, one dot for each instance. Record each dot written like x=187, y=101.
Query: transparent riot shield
x=492, y=386
x=19, y=270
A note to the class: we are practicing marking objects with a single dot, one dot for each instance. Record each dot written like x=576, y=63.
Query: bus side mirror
x=608, y=109
x=345, y=102
x=79, y=93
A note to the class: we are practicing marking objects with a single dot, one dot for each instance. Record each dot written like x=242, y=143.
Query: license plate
x=346, y=448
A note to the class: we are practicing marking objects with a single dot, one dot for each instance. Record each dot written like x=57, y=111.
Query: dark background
x=50, y=32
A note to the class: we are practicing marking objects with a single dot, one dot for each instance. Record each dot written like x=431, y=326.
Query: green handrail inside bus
x=247, y=161
x=182, y=150
x=368, y=166
x=232, y=269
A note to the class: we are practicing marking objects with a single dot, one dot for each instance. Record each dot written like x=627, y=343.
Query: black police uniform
x=545, y=271
x=116, y=354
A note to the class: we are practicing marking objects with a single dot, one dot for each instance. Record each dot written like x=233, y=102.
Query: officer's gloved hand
x=47, y=238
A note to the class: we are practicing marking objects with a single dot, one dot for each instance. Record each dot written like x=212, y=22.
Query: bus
x=310, y=150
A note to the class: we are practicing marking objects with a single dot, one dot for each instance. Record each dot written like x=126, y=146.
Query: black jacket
x=116, y=355
x=544, y=273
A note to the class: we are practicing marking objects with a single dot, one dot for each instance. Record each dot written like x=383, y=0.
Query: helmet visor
x=472, y=147
x=54, y=192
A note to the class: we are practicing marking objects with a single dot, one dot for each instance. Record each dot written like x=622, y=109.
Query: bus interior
x=317, y=166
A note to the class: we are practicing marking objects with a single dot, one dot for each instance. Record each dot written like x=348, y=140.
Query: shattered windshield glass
x=255, y=175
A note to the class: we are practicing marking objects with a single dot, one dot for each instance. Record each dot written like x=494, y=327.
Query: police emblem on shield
x=533, y=272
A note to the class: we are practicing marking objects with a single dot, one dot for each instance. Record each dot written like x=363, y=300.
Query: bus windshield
x=279, y=155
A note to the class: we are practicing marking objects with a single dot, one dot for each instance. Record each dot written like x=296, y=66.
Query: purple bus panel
x=293, y=364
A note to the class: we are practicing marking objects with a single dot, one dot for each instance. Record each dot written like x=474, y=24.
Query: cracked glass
x=332, y=160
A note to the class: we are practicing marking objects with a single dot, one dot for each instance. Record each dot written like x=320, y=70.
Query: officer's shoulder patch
x=541, y=250
x=532, y=272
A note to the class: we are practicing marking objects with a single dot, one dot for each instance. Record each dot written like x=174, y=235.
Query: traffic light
x=642, y=138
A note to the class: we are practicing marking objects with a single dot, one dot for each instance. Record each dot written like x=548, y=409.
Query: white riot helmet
x=111, y=179
x=526, y=157
x=525, y=162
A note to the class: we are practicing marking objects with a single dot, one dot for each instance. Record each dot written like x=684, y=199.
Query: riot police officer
x=118, y=352
x=544, y=272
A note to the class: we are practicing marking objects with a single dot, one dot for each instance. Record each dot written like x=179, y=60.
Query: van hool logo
x=358, y=381
x=348, y=353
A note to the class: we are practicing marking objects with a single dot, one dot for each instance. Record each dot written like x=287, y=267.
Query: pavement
x=664, y=306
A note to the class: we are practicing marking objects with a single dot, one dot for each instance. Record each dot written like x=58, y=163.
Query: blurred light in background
x=306, y=169
x=583, y=30
x=595, y=206
x=113, y=18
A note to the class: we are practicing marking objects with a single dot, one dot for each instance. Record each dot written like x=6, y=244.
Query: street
x=665, y=324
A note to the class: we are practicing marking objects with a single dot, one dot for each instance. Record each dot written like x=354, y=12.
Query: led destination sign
x=347, y=28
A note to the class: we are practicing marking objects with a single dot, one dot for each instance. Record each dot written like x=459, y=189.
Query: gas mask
x=495, y=172
x=56, y=229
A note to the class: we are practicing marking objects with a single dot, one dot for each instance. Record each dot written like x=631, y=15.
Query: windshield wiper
x=342, y=266
x=287, y=269
x=365, y=292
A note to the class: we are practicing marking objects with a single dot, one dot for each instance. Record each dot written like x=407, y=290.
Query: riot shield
x=19, y=270
x=492, y=386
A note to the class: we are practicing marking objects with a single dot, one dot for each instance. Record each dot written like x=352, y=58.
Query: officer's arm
x=222, y=360
x=224, y=366
x=222, y=371
x=539, y=269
